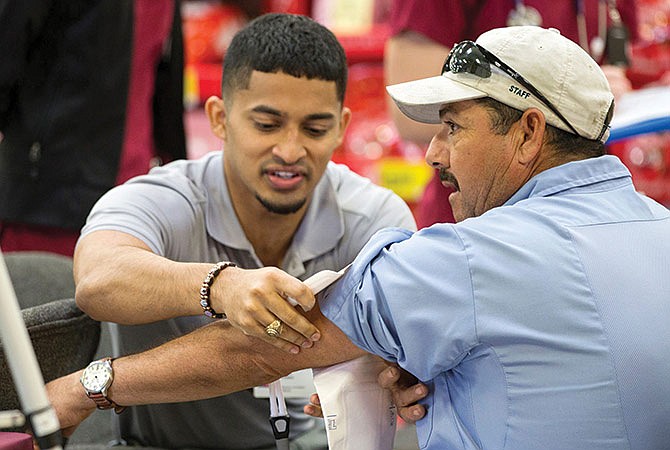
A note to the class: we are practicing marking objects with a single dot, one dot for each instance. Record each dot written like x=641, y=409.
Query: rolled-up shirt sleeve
x=408, y=298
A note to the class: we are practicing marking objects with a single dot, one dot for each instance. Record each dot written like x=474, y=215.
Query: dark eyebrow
x=320, y=116
x=267, y=110
x=446, y=109
x=264, y=109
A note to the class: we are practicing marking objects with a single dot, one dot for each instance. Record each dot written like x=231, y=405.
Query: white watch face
x=97, y=376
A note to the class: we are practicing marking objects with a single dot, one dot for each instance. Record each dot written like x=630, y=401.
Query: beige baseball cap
x=556, y=67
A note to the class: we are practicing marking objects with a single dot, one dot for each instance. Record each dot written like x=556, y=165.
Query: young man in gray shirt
x=270, y=200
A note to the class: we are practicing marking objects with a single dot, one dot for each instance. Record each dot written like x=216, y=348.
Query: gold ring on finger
x=274, y=329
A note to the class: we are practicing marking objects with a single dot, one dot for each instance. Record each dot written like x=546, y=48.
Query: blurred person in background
x=423, y=32
x=90, y=96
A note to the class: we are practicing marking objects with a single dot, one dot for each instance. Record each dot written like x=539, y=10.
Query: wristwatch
x=96, y=379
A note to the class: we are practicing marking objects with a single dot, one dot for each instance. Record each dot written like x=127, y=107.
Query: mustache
x=446, y=176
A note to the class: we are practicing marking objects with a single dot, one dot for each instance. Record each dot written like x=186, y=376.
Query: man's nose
x=290, y=148
x=437, y=154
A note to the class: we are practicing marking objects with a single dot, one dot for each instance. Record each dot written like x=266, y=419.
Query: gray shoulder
x=358, y=195
x=190, y=179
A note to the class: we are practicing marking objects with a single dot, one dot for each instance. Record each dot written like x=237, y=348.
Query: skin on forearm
x=113, y=269
x=119, y=279
x=212, y=361
x=216, y=360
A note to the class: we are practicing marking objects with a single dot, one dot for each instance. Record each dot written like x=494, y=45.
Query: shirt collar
x=573, y=175
x=319, y=232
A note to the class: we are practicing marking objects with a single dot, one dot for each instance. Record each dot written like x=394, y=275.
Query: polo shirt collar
x=319, y=232
x=608, y=170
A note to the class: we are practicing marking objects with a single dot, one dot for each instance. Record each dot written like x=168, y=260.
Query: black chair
x=64, y=338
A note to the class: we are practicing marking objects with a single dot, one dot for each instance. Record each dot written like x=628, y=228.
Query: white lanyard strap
x=279, y=418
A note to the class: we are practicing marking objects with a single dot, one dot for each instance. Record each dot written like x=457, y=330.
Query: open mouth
x=285, y=179
x=283, y=174
x=448, y=179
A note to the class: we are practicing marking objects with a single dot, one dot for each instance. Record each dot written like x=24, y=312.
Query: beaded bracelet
x=205, y=288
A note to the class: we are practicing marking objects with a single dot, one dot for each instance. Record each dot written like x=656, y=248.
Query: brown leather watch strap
x=102, y=402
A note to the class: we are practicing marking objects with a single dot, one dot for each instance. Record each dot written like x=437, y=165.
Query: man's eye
x=316, y=132
x=451, y=125
x=265, y=126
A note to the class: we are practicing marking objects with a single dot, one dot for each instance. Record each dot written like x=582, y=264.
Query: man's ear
x=345, y=119
x=532, y=132
x=216, y=114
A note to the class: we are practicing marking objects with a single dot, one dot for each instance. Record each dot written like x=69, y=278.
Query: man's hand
x=254, y=298
x=314, y=407
x=406, y=392
x=71, y=404
x=404, y=388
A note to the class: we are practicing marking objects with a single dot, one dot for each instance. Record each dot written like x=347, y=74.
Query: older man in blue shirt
x=536, y=321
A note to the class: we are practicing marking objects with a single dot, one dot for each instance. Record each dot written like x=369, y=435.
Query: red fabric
x=153, y=21
x=434, y=206
x=15, y=237
x=446, y=21
x=15, y=441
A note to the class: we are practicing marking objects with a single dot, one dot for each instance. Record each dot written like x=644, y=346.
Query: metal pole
x=25, y=370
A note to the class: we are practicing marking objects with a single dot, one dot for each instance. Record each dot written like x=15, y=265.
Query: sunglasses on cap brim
x=470, y=57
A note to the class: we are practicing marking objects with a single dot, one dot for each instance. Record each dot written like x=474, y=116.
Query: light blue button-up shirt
x=541, y=324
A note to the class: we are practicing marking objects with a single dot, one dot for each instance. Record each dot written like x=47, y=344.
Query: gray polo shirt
x=183, y=212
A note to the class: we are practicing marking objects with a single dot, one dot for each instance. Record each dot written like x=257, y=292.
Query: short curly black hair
x=293, y=44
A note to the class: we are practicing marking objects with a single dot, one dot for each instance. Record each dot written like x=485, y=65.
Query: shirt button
x=35, y=152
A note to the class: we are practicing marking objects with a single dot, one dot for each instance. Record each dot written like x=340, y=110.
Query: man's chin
x=456, y=210
x=283, y=208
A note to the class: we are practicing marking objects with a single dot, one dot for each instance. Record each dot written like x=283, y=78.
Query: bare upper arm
x=95, y=248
